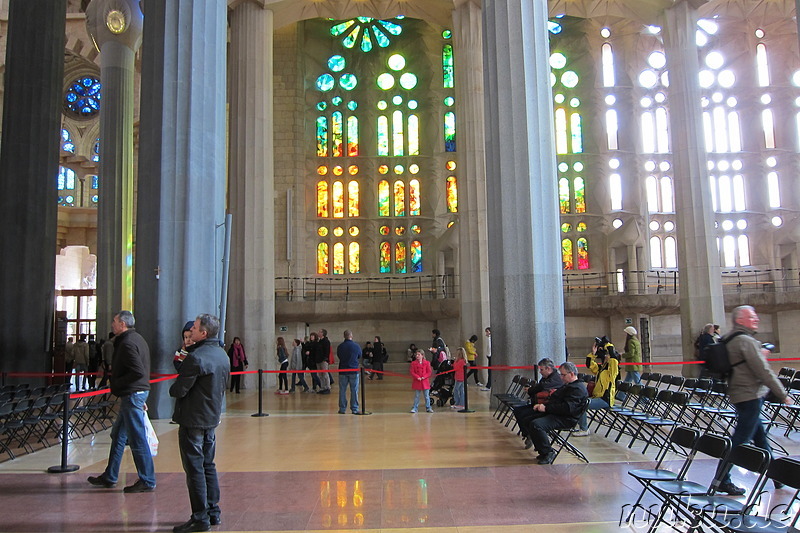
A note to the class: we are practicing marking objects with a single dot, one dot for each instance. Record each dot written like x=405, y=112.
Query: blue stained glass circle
x=352, y=105
x=321, y=106
x=82, y=98
x=325, y=82
x=336, y=100
x=336, y=63
x=348, y=82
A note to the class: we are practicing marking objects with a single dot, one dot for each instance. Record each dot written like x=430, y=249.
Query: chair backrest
x=750, y=458
x=664, y=396
x=677, y=381
x=785, y=470
x=715, y=446
x=649, y=393
x=685, y=437
x=625, y=386
x=645, y=377
x=654, y=376
x=665, y=380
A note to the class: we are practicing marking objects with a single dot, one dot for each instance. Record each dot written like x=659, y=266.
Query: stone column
x=116, y=27
x=181, y=180
x=252, y=182
x=473, y=241
x=527, y=305
x=700, y=279
x=29, y=151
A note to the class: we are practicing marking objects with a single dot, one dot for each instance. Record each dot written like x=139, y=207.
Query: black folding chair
x=561, y=441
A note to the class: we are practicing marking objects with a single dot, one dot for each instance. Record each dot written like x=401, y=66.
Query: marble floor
x=307, y=468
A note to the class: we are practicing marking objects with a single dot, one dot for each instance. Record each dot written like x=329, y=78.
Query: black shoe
x=215, y=520
x=100, y=481
x=528, y=443
x=192, y=525
x=731, y=489
x=141, y=486
x=326, y=391
x=547, y=459
x=342, y=412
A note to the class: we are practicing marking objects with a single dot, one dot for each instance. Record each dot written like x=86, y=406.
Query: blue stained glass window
x=325, y=82
x=95, y=182
x=380, y=37
x=336, y=63
x=66, y=142
x=366, y=41
x=96, y=151
x=82, y=98
x=366, y=32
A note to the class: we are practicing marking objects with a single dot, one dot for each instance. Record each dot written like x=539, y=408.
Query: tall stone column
x=473, y=240
x=525, y=287
x=252, y=182
x=34, y=79
x=181, y=193
x=116, y=27
x=700, y=279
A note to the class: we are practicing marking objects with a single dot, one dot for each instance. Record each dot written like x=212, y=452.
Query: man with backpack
x=750, y=377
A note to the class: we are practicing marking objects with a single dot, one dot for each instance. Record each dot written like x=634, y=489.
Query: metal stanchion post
x=64, y=467
x=466, y=408
x=4, y=378
x=260, y=395
x=363, y=410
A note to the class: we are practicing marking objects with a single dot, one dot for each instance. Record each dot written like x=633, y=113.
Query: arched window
x=566, y=254
x=670, y=252
x=352, y=136
x=452, y=195
x=338, y=199
x=400, y=258
x=398, y=141
x=338, y=258
x=655, y=253
x=386, y=257
x=322, y=136
x=322, y=199
x=447, y=66
x=583, y=253
x=416, y=256
x=354, y=258
x=450, y=131
x=322, y=258
x=336, y=133
x=399, y=199
x=383, y=198
x=383, y=135
x=563, y=195
x=580, y=195
x=413, y=198
x=607, y=58
x=413, y=135
x=353, y=201
x=66, y=141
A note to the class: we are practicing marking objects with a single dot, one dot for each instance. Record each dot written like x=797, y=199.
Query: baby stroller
x=442, y=386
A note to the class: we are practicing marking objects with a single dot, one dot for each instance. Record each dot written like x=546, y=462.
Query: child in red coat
x=420, y=380
x=459, y=366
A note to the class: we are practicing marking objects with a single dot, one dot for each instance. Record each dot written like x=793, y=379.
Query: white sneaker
x=413, y=411
x=479, y=384
x=485, y=389
x=581, y=433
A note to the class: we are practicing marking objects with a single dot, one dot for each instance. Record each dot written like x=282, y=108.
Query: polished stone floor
x=307, y=468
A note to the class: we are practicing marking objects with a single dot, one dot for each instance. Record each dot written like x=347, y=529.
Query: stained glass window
x=400, y=258
x=447, y=66
x=322, y=258
x=383, y=135
x=369, y=29
x=352, y=136
x=338, y=258
x=322, y=199
x=82, y=98
x=413, y=198
x=397, y=133
x=353, y=209
x=561, y=131
x=566, y=227
x=583, y=253
x=336, y=133
x=354, y=258
x=566, y=254
x=383, y=198
x=338, y=199
x=577, y=134
x=66, y=141
x=408, y=81
x=386, y=257
x=580, y=195
x=450, y=132
x=96, y=151
x=399, y=199
x=325, y=82
x=563, y=195
x=413, y=135
x=322, y=136
x=452, y=195
x=581, y=227
x=66, y=179
x=416, y=256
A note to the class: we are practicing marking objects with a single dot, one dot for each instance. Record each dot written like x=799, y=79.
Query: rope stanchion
x=466, y=408
x=363, y=410
x=64, y=467
x=260, y=395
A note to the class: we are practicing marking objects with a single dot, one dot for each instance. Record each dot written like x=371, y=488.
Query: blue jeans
x=198, y=447
x=748, y=429
x=458, y=393
x=129, y=428
x=594, y=403
x=427, y=393
x=632, y=376
x=348, y=379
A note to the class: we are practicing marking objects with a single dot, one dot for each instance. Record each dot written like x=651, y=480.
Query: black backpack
x=715, y=357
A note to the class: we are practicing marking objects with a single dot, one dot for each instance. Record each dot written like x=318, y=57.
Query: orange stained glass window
x=353, y=170
x=322, y=258
x=338, y=258
x=322, y=199
x=336, y=133
x=322, y=170
x=386, y=258
x=352, y=199
x=400, y=258
x=452, y=195
x=354, y=258
x=383, y=169
x=338, y=170
x=450, y=165
x=566, y=254
x=413, y=198
x=352, y=136
x=338, y=199
x=399, y=199
x=383, y=198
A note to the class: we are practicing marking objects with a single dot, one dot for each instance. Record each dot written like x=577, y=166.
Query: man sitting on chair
x=561, y=411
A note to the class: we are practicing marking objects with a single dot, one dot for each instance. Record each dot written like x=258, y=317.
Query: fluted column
x=34, y=78
x=700, y=279
x=252, y=182
x=472, y=232
x=525, y=287
x=116, y=27
x=181, y=175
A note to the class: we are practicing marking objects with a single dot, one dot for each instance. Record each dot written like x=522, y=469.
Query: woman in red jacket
x=420, y=375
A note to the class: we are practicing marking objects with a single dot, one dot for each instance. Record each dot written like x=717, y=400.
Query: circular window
x=398, y=169
x=413, y=168
x=336, y=63
x=415, y=228
x=322, y=232
x=412, y=104
x=385, y=81
x=338, y=231
x=353, y=231
x=408, y=81
x=337, y=170
x=396, y=62
x=451, y=165
x=617, y=222
x=348, y=82
x=384, y=230
x=82, y=98
x=325, y=82
x=322, y=170
x=400, y=230
x=352, y=170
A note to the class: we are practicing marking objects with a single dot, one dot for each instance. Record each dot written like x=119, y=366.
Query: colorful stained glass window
x=336, y=134
x=450, y=132
x=322, y=170
x=413, y=135
x=583, y=254
x=322, y=231
x=338, y=258
x=399, y=199
x=413, y=198
x=452, y=195
x=383, y=169
x=397, y=133
x=400, y=230
x=66, y=142
x=386, y=257
x=415, y=228
x=353, y=209
x=384, y=230
x=416, y=256
x=413, y=168
x=383, y=135
x=96, y=151
x=322, y=258
x=450, y=165
x=322, y=199
x=368, y=28
x=447, y=66
x=398, y=169
x=338, y=199
x=577, y=133
x=336, y=63
x=581, y=227
x=82, y=98
x=325, y=82
x=352, y=136
x=566, y=227
x=383, y=198
x=338, y=170
x=580, y=195
x=354, y=258
x=352, y=170
x=563, y=195
x=566, y=254
x=348, y=81
x=322, y=136
x=400, y=258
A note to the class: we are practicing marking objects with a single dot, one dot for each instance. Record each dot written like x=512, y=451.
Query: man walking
x=131, y=382
x=199, y=391
x=349, y=353
x=322, y=351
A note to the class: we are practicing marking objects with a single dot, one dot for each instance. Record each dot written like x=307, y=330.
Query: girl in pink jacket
x=420, y=380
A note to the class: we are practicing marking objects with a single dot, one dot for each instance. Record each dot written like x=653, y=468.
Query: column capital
x=118, y=21
x=694, y=4
x=233, y=4
x=461, y=3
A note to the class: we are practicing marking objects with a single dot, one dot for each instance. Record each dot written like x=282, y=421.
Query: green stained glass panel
x=352, y=37
x=348, y=82
x=449, y=132
x=322, y=137
x=339, y=29
x=386, y=258
x=446, y=34
x=325, y=82
x=566, y=227
x=366, y=41
x=563, y=195
x=322, y=106
x=383, y=198
x=447, y=66
x=352, y=105
x=391, y=27
x=336, y=63
x=449, y=101
x=581, y=227
x=336, y=134
x=380, y=37
x=416, y=256
x=352, y=136
x=398, y=144
x=383, y=135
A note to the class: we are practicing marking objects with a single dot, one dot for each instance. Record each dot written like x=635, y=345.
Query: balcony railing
x=383, y=288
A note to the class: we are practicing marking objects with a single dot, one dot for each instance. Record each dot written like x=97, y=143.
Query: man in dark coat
x=551, y=380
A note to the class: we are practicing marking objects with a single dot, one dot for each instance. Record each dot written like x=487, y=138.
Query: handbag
x=152, y=438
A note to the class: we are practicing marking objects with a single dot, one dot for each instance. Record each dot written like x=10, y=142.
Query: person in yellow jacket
x=472, y=355
x=603, y=363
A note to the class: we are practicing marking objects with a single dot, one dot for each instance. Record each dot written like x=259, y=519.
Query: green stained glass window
x=352, y=105
x=447, y=66
x=446, y=34
x=336, y=100
x=366, y=26
x=385, y=81
x=322, y=199
x=322, y=136
x=322, y=106
x=384, y=230
x=563, y=195
x=383, y=198
x=386, y=257
x=561, y=131
x=566, y=254
x=583, y=253
x=352, y=37
x=413, y=135
x=339, y=29
x=398, y=144
x=352, y=136
x=400, y=258
x=580, y=195
x=413, y=198
x=581, y=227
x=383, y=135
x=322, y=258
x=416, y=256
x=391, y=27
x=566, y=227
x=354, y=258
x=450, y=132
x=325, y=82
x=577, y=133
x=452, y=195
x=336, y=134
x=348, y=82
x=396, y=62
x=336, y=63
x=449, y=101
x=399, y=199
x=415, y=228
x=381, y=38
x=338, y=258
x=353, y=201
x=366, y=41
x=408, y=81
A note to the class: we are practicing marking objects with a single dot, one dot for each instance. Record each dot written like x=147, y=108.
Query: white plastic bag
x=152, y=438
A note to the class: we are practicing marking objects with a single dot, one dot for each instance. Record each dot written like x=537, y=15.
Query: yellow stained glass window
x=322, y=199
x=399, y=199
x=400, y=258
x=566, y=254
x=338, y=199
x=322, y=258
x=452, y=195
x=383, y=198
x=413, y=198
x=338, y=258
x=354, y=258
x=352, y=199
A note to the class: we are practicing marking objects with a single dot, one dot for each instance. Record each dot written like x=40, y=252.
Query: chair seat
x=717, y=504
x=651, y=474
x=681, y=488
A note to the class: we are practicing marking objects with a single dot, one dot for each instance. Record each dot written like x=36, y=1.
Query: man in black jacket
x=130, y=381
x=199, y=391
x=322, y=355
x=551, y=380
x=561, y=411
